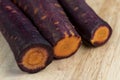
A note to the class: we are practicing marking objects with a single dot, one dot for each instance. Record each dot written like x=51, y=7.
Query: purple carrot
x=32, y=52
x=89, y=25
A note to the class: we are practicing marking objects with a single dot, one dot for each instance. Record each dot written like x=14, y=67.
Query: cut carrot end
x=101, y=35
x=66, y=46
x=35, y=58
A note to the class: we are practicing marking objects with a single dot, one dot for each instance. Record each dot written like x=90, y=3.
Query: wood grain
x=102, y=63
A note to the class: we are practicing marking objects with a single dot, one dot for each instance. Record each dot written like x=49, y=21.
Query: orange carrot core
x=101, y=35
x=66, y=46
x=35, y=58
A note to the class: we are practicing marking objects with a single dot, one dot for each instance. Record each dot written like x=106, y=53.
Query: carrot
x=53, y=24
x=32, y=52
x=89, y=25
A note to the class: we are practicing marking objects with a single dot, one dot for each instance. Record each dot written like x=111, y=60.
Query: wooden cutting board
x=102, y=63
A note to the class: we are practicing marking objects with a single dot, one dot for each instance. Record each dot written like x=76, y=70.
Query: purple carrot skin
x=52, y=22
x=92, y=28
x=32, y=52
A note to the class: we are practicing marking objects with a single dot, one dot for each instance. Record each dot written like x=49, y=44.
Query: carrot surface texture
x=53, y=24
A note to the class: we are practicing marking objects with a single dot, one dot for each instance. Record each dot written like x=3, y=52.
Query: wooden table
x=102, y=63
